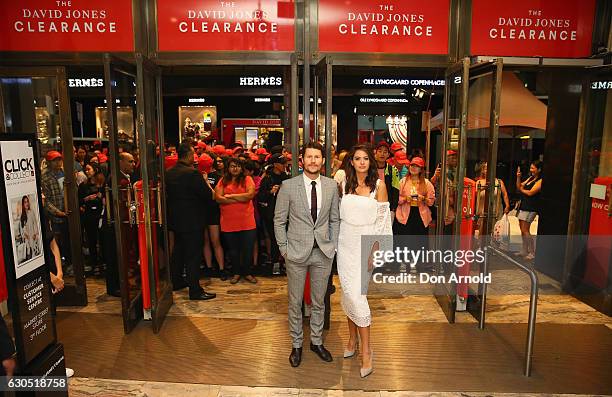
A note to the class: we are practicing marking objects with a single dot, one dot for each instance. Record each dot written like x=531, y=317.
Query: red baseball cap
x=201, y=145
x=237, y=149
x=52, y=155
x=400, y=158
x=102, y=158
x=450, y=152
x=219, y=150
x=418, y=162
x=205, y=163
x=229, y=152
x=396, y=146
x=261, y=150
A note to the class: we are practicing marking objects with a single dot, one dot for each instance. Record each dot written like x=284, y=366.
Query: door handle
x=609, y=201
x=160, y=216
x=107, y=205
x=132, y=206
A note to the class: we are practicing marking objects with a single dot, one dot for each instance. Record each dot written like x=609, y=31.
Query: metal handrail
x=533, y=303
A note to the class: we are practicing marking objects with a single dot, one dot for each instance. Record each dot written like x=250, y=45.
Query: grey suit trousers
x=319, y=267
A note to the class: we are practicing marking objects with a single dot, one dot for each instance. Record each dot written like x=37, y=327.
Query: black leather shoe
x=204, y=296
x=322, y=352
x=295, y=358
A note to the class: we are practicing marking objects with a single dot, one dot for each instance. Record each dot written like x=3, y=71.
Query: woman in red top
x=234, y=193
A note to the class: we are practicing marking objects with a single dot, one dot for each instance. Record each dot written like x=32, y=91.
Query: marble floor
x=267, y=300
x=92, y=387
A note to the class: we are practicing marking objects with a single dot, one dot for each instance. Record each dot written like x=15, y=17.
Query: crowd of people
x=235, y=208
x=236, y=213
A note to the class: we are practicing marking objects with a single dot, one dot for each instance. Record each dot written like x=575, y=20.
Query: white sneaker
x=69, y=372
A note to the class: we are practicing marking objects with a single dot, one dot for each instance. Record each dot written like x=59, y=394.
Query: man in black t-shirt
x=266, y=198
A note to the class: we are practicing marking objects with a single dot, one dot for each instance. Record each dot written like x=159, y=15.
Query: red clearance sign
x=538, y=28
x=392, y=26
x=66, y=25
x=212, y=25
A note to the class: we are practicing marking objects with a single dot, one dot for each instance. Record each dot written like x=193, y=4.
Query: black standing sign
x=25, y=259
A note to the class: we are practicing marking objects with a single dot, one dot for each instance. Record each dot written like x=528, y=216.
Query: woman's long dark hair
x=351, y=174
x=24, y=214
x=229, y=178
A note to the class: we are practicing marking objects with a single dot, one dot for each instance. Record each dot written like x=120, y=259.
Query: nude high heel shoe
x=363, y=372
x=348, y=353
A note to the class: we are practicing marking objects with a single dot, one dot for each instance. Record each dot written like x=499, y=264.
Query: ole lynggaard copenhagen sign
x=542, y=28
x=390, y=26
x=66, y=25
x=213, y=25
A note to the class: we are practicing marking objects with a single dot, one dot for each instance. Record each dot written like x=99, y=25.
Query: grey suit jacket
x=292, y=205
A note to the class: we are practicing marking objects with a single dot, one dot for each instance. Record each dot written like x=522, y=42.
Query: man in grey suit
x=310, y=204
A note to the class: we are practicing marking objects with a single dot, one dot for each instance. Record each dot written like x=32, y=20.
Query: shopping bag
x=501, y=233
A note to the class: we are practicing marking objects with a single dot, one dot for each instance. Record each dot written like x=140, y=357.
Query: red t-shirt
x=237, y=217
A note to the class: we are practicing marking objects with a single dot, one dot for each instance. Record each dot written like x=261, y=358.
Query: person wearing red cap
x=186, y=193
x=52, y=186
x=416, y=195
x=395, y=147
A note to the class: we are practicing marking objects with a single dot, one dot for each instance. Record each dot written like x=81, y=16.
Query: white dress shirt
x=308, y=187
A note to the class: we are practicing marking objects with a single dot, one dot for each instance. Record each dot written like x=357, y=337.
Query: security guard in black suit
x=187, y=195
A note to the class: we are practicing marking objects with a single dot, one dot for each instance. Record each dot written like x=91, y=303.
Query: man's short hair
x=184, y=150
x=313, y=145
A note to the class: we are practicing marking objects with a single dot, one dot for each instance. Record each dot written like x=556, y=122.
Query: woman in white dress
x=29, y=229
x=364, y=210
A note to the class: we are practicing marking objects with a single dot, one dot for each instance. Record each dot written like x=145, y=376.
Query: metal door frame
x=131, y=310
x=73, y=294
x=323, y=72
x=145, y=69
x=468, y=72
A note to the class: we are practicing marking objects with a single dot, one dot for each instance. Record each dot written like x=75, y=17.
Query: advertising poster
x=23, y=206
x=33, y=321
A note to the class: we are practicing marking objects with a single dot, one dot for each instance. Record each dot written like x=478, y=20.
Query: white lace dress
x=359, y=216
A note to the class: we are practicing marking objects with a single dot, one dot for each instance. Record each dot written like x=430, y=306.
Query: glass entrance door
x=471, y=104
x=157, y=298
x=121, y=210
x=589, y=257
x=35, y=101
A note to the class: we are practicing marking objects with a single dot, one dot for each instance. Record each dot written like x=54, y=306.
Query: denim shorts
x=527, y=216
